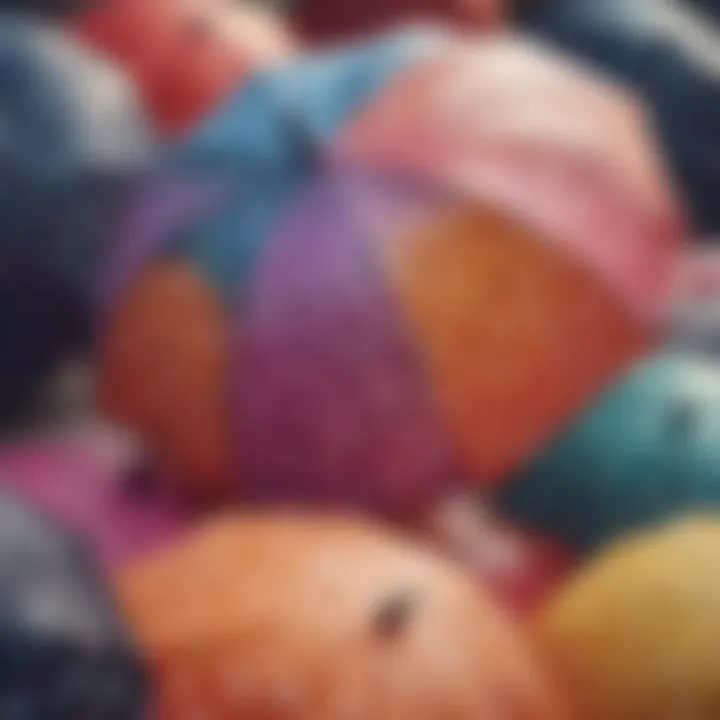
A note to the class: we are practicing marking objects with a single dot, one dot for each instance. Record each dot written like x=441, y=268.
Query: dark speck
x=393, y=615
x=682, y=419
x=140, y=479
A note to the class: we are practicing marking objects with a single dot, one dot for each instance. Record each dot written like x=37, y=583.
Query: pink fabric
x=332, y=403
x=82, y=480
x=493, y=121
x=541, y=568
x=519, y=568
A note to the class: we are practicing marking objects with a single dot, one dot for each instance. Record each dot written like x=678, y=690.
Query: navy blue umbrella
x=711, y=8
x=70, y=137
x=47, y=8
x=64, y=653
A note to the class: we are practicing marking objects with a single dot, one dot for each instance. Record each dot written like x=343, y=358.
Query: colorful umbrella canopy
x=220, y=196
x=63, y=650
x=386, y=272
x=186, y=57
x=635, y=635
x=318, y=617
x=647, y=450
x=70, y=138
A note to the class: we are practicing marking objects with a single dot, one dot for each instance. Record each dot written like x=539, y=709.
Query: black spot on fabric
x=393, y=616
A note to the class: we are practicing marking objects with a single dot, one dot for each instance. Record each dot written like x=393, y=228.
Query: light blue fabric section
x=270, y=139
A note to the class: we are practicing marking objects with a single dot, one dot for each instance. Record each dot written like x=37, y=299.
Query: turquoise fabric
x=649, y=449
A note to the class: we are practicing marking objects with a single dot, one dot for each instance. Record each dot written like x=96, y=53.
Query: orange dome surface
x=305, y=618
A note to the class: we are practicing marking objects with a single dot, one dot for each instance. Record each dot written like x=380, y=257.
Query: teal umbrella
x=649, y=449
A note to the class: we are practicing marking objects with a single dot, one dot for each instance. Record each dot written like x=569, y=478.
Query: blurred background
x=334, y=327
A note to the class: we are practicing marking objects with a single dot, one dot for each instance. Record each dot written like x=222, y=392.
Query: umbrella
x=64, y=652
x=412, y=265
x=646, y=451
x=308, y=616
x=71, y=137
